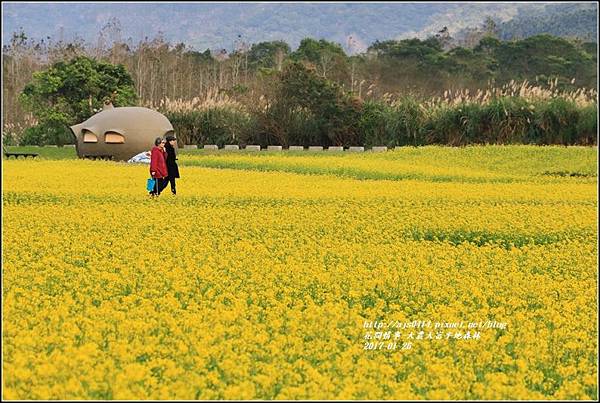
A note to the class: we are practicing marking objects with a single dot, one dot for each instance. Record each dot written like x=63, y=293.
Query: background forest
x=480, y=85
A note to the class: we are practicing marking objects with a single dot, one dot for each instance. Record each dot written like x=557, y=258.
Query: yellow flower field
x=268, y=276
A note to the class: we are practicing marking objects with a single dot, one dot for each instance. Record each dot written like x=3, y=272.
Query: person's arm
x=163, y=166
x=152, y=163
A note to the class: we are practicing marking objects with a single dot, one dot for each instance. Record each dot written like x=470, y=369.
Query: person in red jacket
x=158, y=166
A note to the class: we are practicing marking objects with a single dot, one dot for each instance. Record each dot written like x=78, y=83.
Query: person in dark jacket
x=172, y=167
x=158, y=166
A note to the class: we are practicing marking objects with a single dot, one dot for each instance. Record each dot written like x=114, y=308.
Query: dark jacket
x=171, y=164
x=157, y=163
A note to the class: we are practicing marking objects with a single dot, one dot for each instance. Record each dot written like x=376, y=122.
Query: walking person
x=172, y=168
x=158, y=166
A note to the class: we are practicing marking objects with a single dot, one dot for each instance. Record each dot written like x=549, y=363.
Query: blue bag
x=150, y=184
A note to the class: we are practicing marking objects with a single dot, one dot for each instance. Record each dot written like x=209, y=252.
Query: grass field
x=256, y=280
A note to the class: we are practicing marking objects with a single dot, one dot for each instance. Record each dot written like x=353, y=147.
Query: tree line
x=246, y=75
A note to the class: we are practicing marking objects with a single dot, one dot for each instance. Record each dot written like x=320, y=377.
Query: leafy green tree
x=268, y=55
x=475, y=66
x=488, y=45
x=312, y=50
x=541, y=55
x=410, y=63
x=68, y=93
x=415, y=48
x=327, y=57
x=199, y=57
x=334, y=115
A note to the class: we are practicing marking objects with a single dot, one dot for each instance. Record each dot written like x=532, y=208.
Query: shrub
x=216, y=125
x=46, y=134
x=557, y=120
x=373, y=124
x=406, y=121
x=587, y=125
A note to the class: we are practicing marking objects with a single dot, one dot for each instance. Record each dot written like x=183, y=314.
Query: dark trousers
x=159, y=185
x=171, y=180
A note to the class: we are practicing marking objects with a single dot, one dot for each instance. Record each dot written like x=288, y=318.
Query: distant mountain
x=220, y=25
x=566, y=20
x=472, y=15
x=205, y=25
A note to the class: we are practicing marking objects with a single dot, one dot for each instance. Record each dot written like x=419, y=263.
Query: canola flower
x=255, y=283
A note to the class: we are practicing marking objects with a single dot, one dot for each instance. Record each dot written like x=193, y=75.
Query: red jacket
x=158, y=164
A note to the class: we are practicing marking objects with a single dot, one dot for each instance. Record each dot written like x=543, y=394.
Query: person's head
x=159, y=142
x=172, y=140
